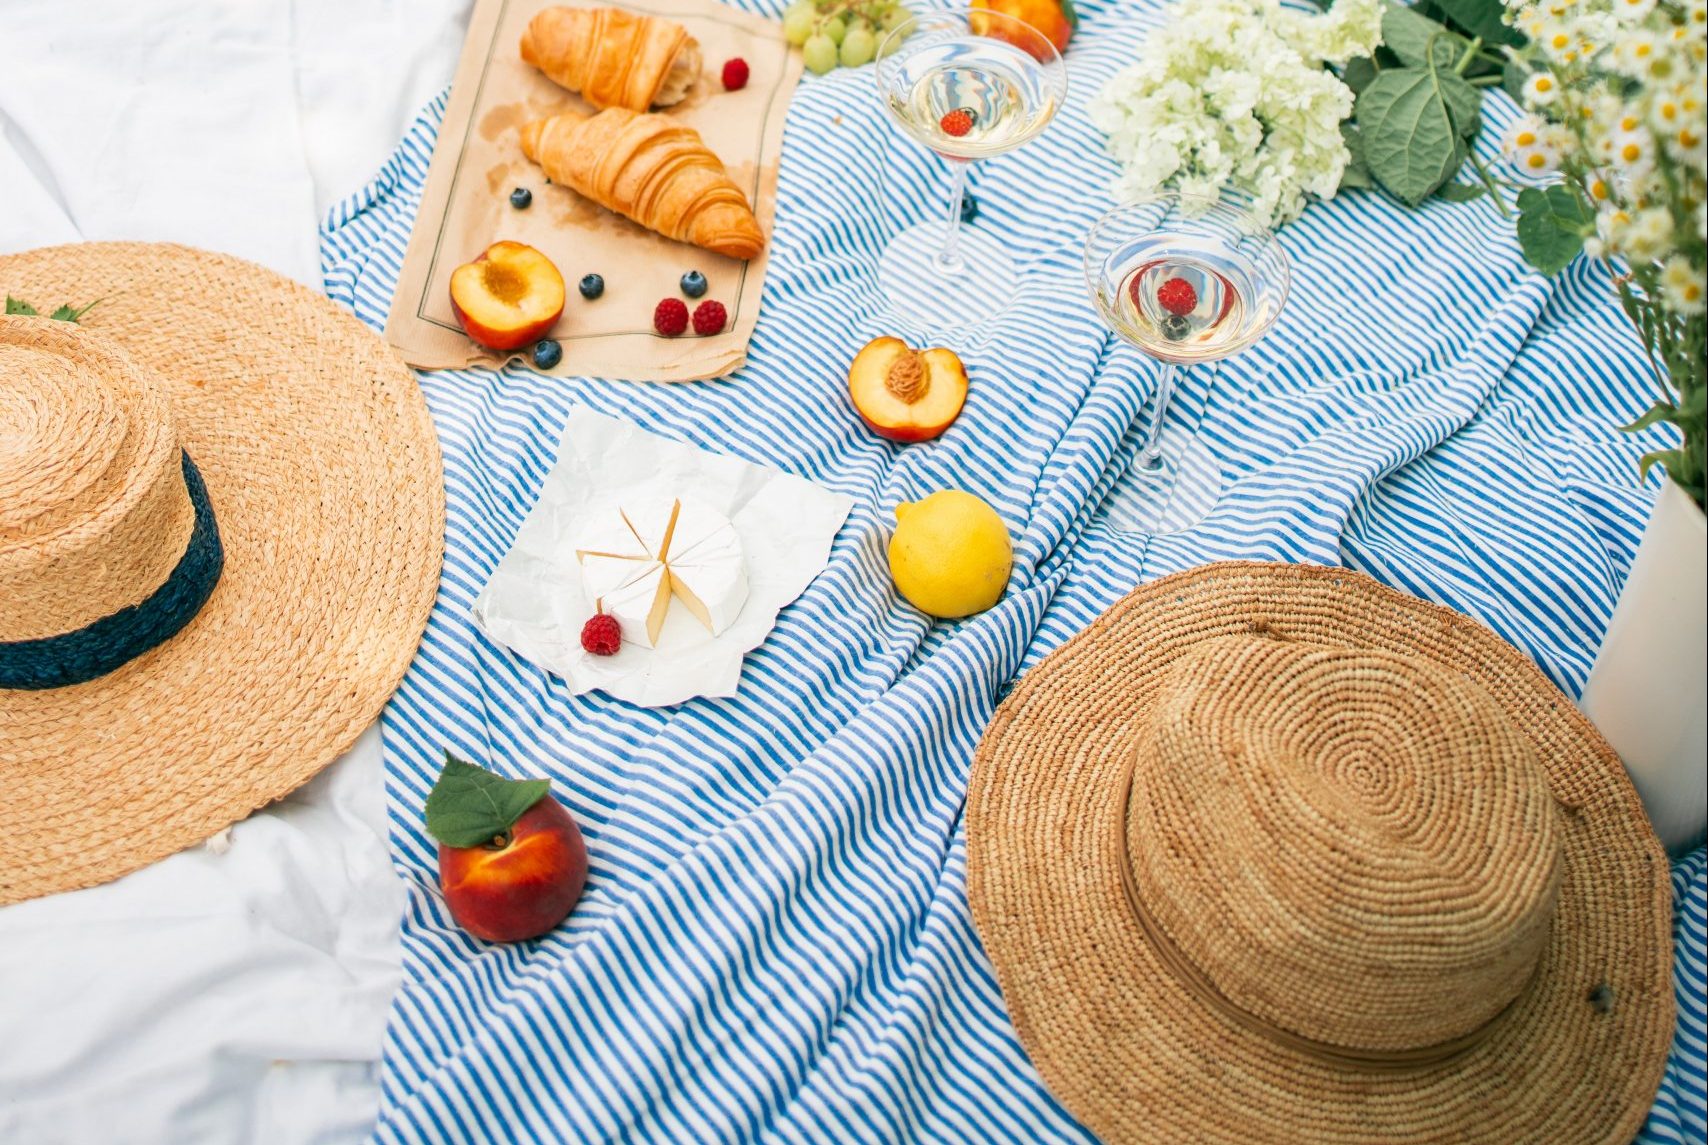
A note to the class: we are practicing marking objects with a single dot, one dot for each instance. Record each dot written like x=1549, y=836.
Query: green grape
x=819, y=52
x=894, y=18
x=858, y=46
x=835, y=29
x=798, y=24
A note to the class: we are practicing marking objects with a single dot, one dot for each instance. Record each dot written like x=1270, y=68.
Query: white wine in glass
x=967, y=85
x=1184, y=281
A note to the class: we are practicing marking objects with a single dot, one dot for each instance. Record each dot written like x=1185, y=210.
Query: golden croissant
x=613, y=58
x=651, y=169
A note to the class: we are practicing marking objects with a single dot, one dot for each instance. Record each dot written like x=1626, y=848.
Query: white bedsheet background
x=234, y=997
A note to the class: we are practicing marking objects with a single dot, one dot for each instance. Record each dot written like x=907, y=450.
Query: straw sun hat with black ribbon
x=1276, y=854
x=221, y=522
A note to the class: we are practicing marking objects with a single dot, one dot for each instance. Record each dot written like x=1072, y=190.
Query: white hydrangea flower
x=1234, y=93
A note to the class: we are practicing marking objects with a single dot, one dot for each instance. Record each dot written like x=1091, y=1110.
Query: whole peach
x=1046, y=16
x=521, y=884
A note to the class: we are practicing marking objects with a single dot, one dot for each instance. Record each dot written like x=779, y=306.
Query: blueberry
x=592, y=286
x=969, y=208
x=693, y=284
x=521, y=198
x=1175, y=327
x=547, y=353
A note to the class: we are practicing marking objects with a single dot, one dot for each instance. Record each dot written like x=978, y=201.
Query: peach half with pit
x=905, y=394
x=510, y=296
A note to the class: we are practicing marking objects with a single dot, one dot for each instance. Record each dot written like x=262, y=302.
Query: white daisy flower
x=1541, y=89
x=1649, y=236
x=1523, y=134
x=1538, y=160
x=1682, y=286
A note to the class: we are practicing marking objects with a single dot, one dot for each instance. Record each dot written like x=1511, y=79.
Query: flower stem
x=1490, y=182
x=1471, y=51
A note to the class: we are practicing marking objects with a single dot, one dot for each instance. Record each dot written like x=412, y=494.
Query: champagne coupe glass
x=1184, y=280
x=967, y=85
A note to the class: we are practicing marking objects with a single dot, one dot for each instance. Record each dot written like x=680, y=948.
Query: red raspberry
x=1177, y=296
x=735, y=74
x=671, y=317
x=602, y=635
x=710, y=317
x=957, y=122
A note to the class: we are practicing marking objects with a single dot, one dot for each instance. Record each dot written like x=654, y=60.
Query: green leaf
x=1480, y=18
x=1357, y=173
x=1657, y=413
x=69, y=313
x=1414, y=38
x=470, y=805
x=66, y=313
x=1551, y=226
x=1410, y=141
x=1460, y=192
x=1464, y=102
x=1358, y=73
x=1671, y=460
x=1071, y=13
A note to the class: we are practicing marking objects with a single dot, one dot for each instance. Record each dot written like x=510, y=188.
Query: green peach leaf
x=470, y=805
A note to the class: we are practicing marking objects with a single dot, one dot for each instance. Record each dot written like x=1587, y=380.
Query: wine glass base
x=1171, y=497
x=922, y=291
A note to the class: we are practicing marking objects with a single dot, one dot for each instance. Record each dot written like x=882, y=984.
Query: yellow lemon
x=950, y=554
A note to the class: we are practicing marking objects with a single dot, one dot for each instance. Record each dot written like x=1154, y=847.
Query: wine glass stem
x=949, y=258
x=1151, y=457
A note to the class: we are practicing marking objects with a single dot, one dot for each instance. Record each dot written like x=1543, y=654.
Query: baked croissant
x=613, y=58
x=651, y=169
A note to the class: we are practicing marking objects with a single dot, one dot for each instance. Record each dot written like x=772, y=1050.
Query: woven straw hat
x=1273, y=853
x=221, y=522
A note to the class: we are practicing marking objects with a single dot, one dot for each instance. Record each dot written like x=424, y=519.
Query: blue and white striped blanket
x=775, y=943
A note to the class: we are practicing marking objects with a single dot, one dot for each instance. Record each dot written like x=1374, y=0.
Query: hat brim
x=325, y=477
x=1138, y=1059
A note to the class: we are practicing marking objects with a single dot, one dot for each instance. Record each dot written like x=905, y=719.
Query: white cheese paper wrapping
x=535, y=603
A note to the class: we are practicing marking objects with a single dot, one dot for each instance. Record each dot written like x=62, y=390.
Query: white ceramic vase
x=1648, y=691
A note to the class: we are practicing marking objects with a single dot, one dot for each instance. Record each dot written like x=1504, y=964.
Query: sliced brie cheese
x=641, y=605
x=671, y=548
x=714, y=593
x=609, y=535
x=602, y=574
x=696, y=522
x=707, y=569
x=652, y=522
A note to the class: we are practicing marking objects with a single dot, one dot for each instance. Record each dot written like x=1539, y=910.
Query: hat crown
x=1354, y=847
x=93, y=509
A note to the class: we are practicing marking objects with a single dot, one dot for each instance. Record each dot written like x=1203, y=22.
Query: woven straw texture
x=1387, y=878
x=324, y=474
x=90, y=471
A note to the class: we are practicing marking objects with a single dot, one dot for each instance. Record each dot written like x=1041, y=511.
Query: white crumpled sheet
x=535, y=603
x=237, y=996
